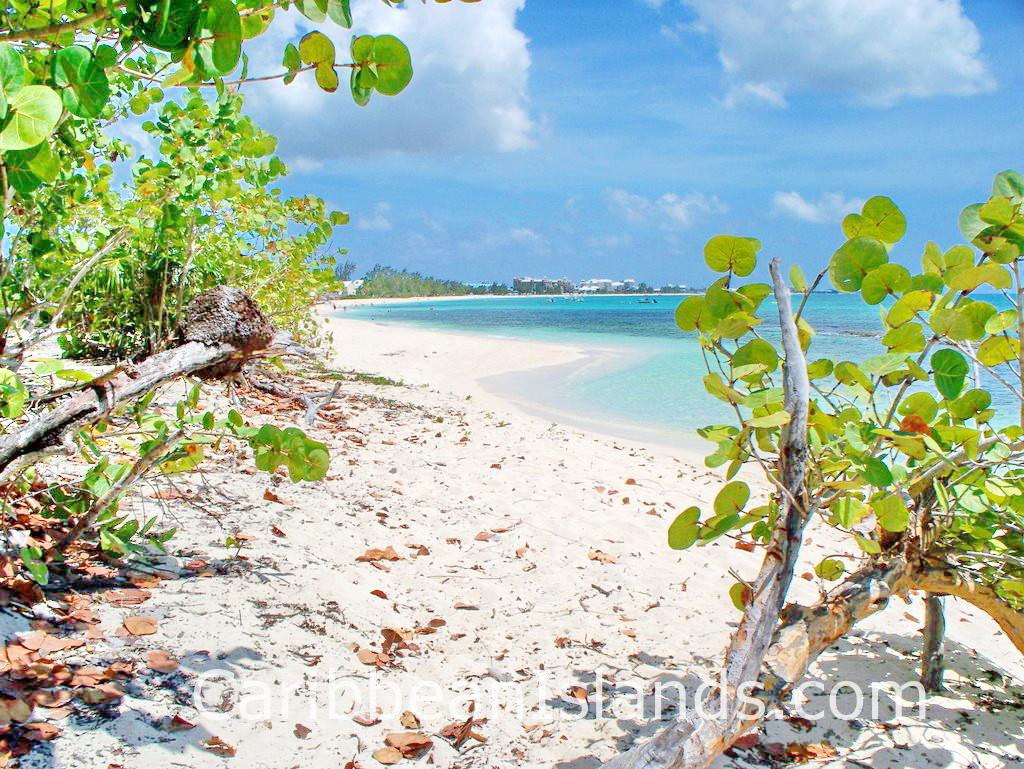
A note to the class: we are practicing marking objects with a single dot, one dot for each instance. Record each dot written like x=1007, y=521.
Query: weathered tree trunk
x=696, y=740
x=933, y=664
x=947, y=580
x=222, y=327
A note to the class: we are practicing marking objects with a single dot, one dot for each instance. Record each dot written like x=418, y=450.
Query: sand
x=541, y=547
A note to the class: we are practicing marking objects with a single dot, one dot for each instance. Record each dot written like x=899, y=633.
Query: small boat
x=648, y=300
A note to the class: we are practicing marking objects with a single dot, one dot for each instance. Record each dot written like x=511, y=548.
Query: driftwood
x=221, y=329
x=698, y=738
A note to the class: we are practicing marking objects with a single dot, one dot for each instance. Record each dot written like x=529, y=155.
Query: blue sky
x=613, y=138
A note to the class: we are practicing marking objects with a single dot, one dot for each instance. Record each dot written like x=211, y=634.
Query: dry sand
x=540, y=546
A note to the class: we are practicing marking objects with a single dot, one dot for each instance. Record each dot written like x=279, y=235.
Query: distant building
x=351, y=287
x=527, y=285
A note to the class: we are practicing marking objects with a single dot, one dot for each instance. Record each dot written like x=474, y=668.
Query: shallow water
x=658, y=381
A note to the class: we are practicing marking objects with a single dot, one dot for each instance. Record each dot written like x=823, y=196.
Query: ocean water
x=657, y=379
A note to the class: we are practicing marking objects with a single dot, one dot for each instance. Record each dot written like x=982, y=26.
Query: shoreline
x=509, y=372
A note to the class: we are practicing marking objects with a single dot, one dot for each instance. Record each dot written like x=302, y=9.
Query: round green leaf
x=949, y=369
x=340, y=12
x=34, y=112
x=85, y=88
x=879, y=218
x=393, y=64
x=756, y=351
x=12, y=74
x=693, y=314
x=724, y=253
x=885, y=280
x=316, y=48
x=854, y=260
x=797, y=279
x=732, y=497
x=360, y=95
x=683, y=531
x=830, y=569
x=167, y=24
x=314, y=10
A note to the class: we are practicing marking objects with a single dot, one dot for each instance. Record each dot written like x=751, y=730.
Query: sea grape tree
x=112, y=255
x=906, y=454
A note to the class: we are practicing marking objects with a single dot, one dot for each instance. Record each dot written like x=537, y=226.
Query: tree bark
x=933, y=664
x=696, y=740
x=944, y=579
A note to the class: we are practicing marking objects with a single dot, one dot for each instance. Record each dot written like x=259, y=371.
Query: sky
x=613, y=138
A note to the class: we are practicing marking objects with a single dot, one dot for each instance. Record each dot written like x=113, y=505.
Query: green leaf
x=86, y=90
x=13, y=394
x=732, y=498
x=970, y=278
x=756, y=351
x=725, y=253
x=360, y=95
x=879, y=218
x=167, y=24
x=997, y=350
x=797, y=279
x=869, y=546
x=35, y=111
x=877, y=473
x=906, y=338
x=830, y=569
x=739, y=593
x=12, y=74
x=907, y=306
x=1000, y=322
x=997, y=211
x=1009, y=184
x=854, y=260
x=693, y=314
x=314, y=10
x=220, y=39
x=890, y=511
x=316, y=48
x=683, y=531
x=949, y=369
x=393, y=64
x=885, y=280
x=775, y=419
x=340, y=12
x=326, y=77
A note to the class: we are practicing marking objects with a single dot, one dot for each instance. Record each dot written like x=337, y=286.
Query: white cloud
x=377, y=220
x=830, y=207
x=670, y=211
x=875, y=52
x=469, y=90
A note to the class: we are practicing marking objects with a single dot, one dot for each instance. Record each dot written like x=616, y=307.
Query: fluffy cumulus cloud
x=469, y=91
x=876, y=53
x=830, y=207
x=670, y=211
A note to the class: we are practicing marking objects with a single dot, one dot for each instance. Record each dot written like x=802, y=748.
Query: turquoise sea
x=656, y=380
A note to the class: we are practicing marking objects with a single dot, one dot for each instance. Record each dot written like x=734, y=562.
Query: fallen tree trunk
x=221, y=328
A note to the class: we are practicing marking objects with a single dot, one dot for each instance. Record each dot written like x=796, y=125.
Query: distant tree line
x=387, y=281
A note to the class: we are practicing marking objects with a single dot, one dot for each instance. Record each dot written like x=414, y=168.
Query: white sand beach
x=529, y=559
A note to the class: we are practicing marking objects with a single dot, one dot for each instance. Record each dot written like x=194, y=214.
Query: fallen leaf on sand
x=51, y=698
x=139, y=625
x=41, y=732
x=161, y=662
x=380, y=594
x=601, y=557
x=747, y=741
x=466, y=606
x=376, y=554
x=409, y=744
x=483, y=536
x=409, y=720
x=364, y=719
x=218, y=747
x=302, y=731
x=387, y=756
x=272, y=496
x=277, y=532
x=14, y=710
x=578, y=693
x=178, y=724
